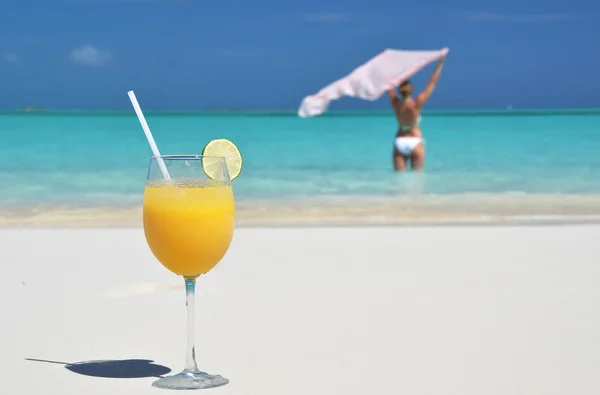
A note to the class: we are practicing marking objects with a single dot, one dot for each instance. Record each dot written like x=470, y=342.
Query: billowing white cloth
x=372, y=79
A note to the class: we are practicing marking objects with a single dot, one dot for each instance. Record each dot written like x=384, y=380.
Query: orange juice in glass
x=188, y=224
x=189, y=220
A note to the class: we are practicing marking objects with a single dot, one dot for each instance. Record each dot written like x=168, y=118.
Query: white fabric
x=406, y=145
x=372, y=79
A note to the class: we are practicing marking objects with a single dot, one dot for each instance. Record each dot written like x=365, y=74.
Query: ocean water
x=100, y=159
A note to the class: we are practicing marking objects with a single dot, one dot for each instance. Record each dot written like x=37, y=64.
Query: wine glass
x=189, y=220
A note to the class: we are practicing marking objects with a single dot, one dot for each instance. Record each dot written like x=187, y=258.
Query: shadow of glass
x=118, y=369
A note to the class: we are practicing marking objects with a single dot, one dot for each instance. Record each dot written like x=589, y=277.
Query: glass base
x=190, y=380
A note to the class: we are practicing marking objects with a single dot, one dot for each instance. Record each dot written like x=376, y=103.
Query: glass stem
x=190, y=290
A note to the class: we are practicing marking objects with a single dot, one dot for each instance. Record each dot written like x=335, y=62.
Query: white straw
x=140, y=115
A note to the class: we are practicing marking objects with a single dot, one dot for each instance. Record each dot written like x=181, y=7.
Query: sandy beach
x=365, y=310
x=508, y=208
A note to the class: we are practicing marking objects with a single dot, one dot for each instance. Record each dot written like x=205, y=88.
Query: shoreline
x=334, y=214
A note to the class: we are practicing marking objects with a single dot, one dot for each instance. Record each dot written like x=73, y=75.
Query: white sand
x=410, y=311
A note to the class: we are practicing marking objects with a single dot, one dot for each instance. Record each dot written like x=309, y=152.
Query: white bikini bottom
x=406, y=145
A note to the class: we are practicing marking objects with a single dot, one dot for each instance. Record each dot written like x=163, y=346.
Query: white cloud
x=88, y=55
x=522, y=18
x=328, y=17
x=11, y=58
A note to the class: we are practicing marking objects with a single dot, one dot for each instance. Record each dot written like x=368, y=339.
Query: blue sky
x=191, y=54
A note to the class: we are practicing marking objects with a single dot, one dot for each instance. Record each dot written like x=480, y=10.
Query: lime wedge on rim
x=224, y=148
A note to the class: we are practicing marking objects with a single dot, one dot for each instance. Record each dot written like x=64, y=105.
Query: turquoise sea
x=497, y=161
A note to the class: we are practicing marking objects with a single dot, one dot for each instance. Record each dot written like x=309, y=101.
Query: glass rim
x=186, y=157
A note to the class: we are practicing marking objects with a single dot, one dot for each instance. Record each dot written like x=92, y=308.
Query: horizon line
x=289, y=112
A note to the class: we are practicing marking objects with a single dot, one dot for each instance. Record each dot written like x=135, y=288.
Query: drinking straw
x=140, y=115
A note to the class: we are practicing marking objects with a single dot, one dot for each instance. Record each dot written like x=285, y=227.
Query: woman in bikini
x=409, y=139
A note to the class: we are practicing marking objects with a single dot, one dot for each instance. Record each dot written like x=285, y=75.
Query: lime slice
x=225, y=148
